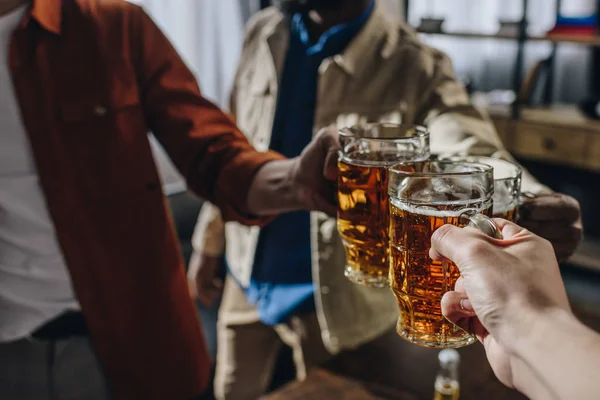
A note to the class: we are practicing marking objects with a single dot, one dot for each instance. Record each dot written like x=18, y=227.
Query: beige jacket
x=385, y=74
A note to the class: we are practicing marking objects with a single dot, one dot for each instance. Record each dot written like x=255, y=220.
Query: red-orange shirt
x=92, y=77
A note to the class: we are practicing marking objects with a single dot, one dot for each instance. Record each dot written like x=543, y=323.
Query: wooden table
x=323, y=384
x=391, y=368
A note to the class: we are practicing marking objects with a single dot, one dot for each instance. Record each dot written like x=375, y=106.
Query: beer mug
x=507, y=185
x=423, y=197
x=367, y=152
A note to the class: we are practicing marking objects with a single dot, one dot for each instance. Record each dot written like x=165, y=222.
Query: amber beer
x=507, y=187
x=363, y=220
x=419, y=282
x=419, y=205
x=509, y=213
x=363, y=212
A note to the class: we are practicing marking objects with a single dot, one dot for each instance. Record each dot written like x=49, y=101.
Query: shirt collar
x=48, y=13
x=378, y=38
x=335, y=39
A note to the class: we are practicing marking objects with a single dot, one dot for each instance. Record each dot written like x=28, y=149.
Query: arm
x=305, y=182
x=457, y=127
x=218, y=162
x=561, y=351
x=512, y=297
x=211, y=153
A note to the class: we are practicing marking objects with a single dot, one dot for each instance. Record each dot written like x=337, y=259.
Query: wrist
x=553, y=355
x=273, y=189
x=525, y=325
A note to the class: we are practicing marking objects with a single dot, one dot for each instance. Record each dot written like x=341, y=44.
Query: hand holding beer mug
x=423, y=197
x=363, y=215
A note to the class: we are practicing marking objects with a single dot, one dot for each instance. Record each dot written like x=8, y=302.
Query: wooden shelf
x=560, y=135
x=581, y=40
x=561, y=115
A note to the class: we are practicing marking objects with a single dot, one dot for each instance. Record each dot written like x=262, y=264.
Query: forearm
x=559, y=352
x=205, y=145
x=272, y=191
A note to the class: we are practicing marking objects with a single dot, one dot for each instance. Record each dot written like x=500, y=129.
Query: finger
x=454, y=310
x=448, y=241
x=330, y=145
x=509, y=229
x=330, y=169
x=550, y=208
x=458, y=302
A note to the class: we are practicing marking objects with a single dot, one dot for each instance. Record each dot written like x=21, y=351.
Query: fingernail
x=465, y=305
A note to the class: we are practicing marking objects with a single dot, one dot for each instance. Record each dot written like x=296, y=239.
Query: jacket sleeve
x=209, y=233
x=456, y=126
x=204, y=143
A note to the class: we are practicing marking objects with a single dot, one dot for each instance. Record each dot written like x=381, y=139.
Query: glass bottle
x=447, y=386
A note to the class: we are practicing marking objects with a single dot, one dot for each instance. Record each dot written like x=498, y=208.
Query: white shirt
x=34, y=282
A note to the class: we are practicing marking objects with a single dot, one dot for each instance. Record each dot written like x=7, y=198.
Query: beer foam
x=382, y=158
x=432, y=211
x=439, y=190
x=500, y=208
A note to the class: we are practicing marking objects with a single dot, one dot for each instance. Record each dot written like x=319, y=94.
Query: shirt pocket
x=254, y=103
x=97, y=108
x=105, y=132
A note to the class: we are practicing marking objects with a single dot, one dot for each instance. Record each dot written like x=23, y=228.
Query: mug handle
x=484, y=223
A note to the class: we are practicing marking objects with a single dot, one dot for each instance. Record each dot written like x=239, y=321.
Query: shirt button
x=100, y=111
x=324, y=289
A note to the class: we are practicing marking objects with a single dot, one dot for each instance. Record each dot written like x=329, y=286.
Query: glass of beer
x=507, y=185
x=423, y=197
x=363, y=215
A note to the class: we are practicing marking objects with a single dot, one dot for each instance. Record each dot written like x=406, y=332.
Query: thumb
x=450, y=242
x=330, y=146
